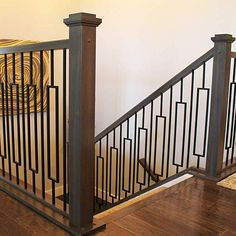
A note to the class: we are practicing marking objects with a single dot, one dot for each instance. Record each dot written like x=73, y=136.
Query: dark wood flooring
x=18, y=220
x=193, y=207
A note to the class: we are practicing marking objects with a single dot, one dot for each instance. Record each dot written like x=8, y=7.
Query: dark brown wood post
x=219, y=99
x=82, y=48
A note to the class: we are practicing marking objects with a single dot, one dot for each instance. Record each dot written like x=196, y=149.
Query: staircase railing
x=179, y=126
x=44, y=87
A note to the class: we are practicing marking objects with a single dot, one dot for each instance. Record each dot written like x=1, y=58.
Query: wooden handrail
x=58, y=44
x=193, y=66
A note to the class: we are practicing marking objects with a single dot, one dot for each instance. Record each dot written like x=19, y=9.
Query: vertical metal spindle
x=134, y=161
x=42, y=123
x=52, y=67
x=18, y=124
x=190, y=119
x=7, y=117
x=164, y=137
x=23, y=119
x=57, y=180
x=150, y=145
x=120, y=160
x=12, y=119
x=169, y=133
x=107, y=140
x=29, y=137
x=13, y=135
x=102, y=181
x=3, y=128
x=49, y=143
x=230, y=117
x=96, y=178
x=233, y=124
x=64, y=132
x=130, y=155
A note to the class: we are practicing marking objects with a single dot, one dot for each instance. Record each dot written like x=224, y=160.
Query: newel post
x=219, y=99
x=82, y=48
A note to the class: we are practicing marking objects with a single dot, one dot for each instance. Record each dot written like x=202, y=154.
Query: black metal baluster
x=17, y=118
x=29, y=137
x=134, y=161
x=130, y=154
x=48, y=124
x=64, y=132
x=12, y=118
x=23, y=119
x=56, y=179
x=107, y=139
x=119, y=193
x=230, y=116
x=102, y=180
x=150, y=145
x=18, y=124
x=32, y=87
x=169, y=133
x=13, y=134
x=203, y=86
x=233, y=124
x=164, y=137
x=3, y=128
x=175, y=129
x=145, y=151
x=207, y=109
x=116, y=169
x=199, y=155
x=29, y=126
x=96, y=195
x=234, y=135
x=35, y=120
x=100, y=156
x=156, y=138
x=190, y=119
x=124, y=162
x=183, y=139
x=97, y=173
x=42, y=123
x=114, y=144
x=7, y=117
x=145, y=165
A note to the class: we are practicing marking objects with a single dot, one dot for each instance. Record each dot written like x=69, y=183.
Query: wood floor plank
x=138, y=226
x=114, y=229
x=174, y=223
x=193, y=207
x=18, y=220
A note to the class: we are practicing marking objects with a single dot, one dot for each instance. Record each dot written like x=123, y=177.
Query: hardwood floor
x=193, y=207
x=18, y=220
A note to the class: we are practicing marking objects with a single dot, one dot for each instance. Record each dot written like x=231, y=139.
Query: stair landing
x=192, y=207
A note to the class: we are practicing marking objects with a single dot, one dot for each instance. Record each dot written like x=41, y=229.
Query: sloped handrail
x=185, y=72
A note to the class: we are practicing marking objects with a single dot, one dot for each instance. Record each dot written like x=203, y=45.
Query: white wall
x=143, y=43
x=140, y=44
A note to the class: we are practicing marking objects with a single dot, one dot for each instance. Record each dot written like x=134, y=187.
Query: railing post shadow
x=82, y=50
x=219, y=99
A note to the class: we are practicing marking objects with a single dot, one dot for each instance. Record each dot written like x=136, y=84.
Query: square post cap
x=82, y=19
x=227, y=38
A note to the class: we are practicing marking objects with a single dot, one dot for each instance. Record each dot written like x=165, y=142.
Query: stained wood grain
x=193, y=207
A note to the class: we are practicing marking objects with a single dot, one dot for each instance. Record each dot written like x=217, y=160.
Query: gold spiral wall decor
x=18, y=78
